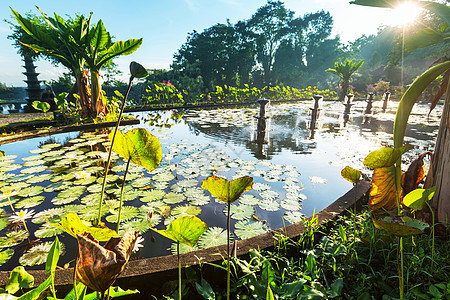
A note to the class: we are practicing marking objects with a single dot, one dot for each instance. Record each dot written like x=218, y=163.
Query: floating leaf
x=186, y=210
x=248, y=229
x=30, y=202
x=138, y=144
x=383, y=192
x=249, y=199
x=269, y=205
x=214, y=236
x=128, y=212
x=13, y=238
x=269, y=195
x=37, y=255
x=173, y=198
x=384, y=157
x=183, y=248
x=166, y=176
x=39, y=178
x=31, y=191
x=188, y=183
x=289, y=204
x=152, y=195
x=33, y=170
x=47, y=230
x=186, y=230
x=5, y=255
x=199, y=200
x=49, y=215
x=417, y=198
x=400, y=226
x=73, y=226
x=141, y=182
x=317, y=179
x=240, y=212
x=351, y=174
x=227, y=191
x=293, y=216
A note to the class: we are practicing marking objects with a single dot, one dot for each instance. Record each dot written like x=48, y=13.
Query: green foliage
x=227, y=191
x=351, y=174
x=42, y=106
x=418, y=197
x=19, y=279
x=186, y=230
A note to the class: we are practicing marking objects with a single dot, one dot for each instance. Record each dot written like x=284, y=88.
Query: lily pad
x=248, y=229
x=128, y=212
x=5, y=255
x=31, y=191
x=199, y=200
x=240, y=212
x=186, y=210
x=293, y=216
x=214, y=236
x=34, y=170
x=183, y=248
x=269, y=195
x=166, y=176
x=13, y=238
x=33, y=163
x=152, y=195
x=261, y=186
x=269, y=205
x=141, y=182
x=49, y=215
x=39, y=178
x=46, y=231
x=37, y=255
x=30, y=202
x=173, y=198
x=288, y=204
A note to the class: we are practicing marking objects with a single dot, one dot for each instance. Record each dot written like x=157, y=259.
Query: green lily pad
x=141, y=182
x=85, y=181
x=18, y=178
x=39, y=178
x=37, y=255
x=57, y=186
x=240, y=212
x=30, y=202
x=269, y=195
x=248, y=229
x=3, y=222
x=183, y=248
x=13, y=238
x=153, y=195
x=33, y=157
x=10, y=167
x=293, y=216
x=50, y=146
x=5, y=255
x=269, y=205
x=214, y=236
x=173, y=198
x=8, y=157
x=34, y=170
x=49, y=215
x=400, y=226
x=288, y=204
x=140, y=146
x=31, y=191
x=33, y=163
x=139, y=224
x=186, y=183
x=227, y=191
x=91, y=199
x=186, y=210
x=128, y=212
x=199, y=200
x=261, y=186
x=46, y=231
x=73, y=226
x=166, y=176
x=186, y=230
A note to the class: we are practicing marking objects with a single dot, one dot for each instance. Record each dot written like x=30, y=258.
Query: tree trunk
x=440, y=166
x=85, y=97
x=99, y=107
x=345, y=86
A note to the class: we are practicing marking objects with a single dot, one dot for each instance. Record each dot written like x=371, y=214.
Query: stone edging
x=144, y=269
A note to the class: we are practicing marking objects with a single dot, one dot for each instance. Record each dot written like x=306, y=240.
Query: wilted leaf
x=384, y=157
x=400, y=226
x=143, y=148
x=186, y=230
x=414, y=175
x=97, y=266
x=383, y=192
x=351, y=174
x=73, y=226
x=417, y=198
x=227, y=191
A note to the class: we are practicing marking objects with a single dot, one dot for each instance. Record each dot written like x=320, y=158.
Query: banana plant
x=345, y=70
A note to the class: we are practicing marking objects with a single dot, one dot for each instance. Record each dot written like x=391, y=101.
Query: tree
x=77, y=45
x=439, y=172
x=345, y=70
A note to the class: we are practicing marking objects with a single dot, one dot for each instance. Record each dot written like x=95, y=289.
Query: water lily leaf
x=33, y=157
x=240, y=212
x=18, y=279
x=5, y=255
x=30, y=202
x=37, y=255
x=186, y=210
x=249, y=199
x=57, y=186
x=227, y=191
x=49, y=215
x=141, y=182
x=188, y=183
x=400, y=226
x=417, y=198
x=3, y=222
x=214, y=236
x=47, y=230
x=248, y=229
x=13, y=238
x=173, y=198
x=31, y=191
x=269, y=195
x=128, y=212
x=351, y=174
x=186, y=230
x=289, y=204
x=269, y=205
x=152, y=195
x=33, y=170
x=138, y=144
x=183, y=248
x=39, y=178
x=199, y=200
x=317, y=179
x=384, y=157
x=293, y=216
x=383, y=192
x=73, y=226
x=166, y=176
x=33, y=163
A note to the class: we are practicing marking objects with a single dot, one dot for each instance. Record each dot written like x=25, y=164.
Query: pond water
x=296, y=171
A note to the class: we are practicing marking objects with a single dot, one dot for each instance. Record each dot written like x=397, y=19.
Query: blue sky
x=164, y=25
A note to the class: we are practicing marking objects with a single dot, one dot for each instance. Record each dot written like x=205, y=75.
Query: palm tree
x=345, y=70
x=77, y=45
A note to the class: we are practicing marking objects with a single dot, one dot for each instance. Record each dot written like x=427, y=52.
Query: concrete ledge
x=139, y=273
x=61, y=129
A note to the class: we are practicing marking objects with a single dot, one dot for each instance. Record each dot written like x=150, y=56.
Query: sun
x=405, y=13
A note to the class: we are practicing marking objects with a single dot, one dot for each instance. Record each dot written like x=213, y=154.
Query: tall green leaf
x=227, y=191
x=19, y=279
x=52, y=257
x=417, y=198
x=35, y=294
x=117, y=49
x=186, y=230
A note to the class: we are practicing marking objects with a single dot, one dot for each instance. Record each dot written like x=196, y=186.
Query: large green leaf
x=42, y=106
x=114, y=292
x=117, y=49
x=73, y=226
x=36, y=293
x=227, y=191
x=186, y=230
x=384, y=157
x=410, y=97
x=52, y=257
x=400, y=226
x=137, y=70
x=143, y=148
x=100, y=37
x=351, y=174
x=18, y=279
x=417, y=198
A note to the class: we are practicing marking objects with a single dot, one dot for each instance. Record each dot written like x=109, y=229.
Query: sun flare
x=405, y=13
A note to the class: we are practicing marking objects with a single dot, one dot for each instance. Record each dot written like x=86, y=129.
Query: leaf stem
x=179, y=270
x=121, y=194
x=228, y=252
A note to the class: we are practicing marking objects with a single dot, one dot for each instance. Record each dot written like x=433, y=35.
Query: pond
x=296, y=171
